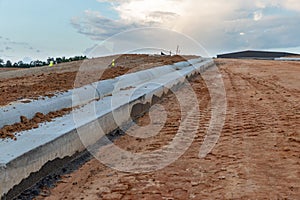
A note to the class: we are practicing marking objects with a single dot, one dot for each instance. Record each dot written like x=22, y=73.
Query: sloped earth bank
x=45, y=81
x=256, y=157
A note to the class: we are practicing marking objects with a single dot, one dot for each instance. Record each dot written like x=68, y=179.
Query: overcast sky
x=36, y=29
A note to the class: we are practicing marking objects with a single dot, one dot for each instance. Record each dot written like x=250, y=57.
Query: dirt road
x=256, y=157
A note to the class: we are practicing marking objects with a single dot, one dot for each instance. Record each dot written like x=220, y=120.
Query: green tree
x=38, y=63
x=32, y=64
x=49, y=60
x=58, y=60
x=8, y=64
x=21, y=64
x=1, y=62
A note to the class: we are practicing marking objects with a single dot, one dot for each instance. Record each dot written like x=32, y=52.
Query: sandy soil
x=256, y=157
x=11, y=131
x=3, y=69
x=44, y=81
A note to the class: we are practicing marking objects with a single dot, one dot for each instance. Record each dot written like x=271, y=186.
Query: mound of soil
x=45, y=81
x=9, y=131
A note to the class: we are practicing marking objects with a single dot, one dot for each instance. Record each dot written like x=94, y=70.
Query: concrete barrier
x=11, y=113
x=287, y=59
x=60, y=138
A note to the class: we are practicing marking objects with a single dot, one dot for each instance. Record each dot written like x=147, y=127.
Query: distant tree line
x=39, y=63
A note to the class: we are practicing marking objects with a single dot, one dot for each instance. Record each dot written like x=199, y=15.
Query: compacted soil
x=45, y=81
x=256, y=157
x=26, y=84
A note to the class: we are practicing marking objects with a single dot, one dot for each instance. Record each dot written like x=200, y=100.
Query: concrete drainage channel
x=104, y=105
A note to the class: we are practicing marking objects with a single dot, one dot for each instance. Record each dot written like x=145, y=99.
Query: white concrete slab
x=287, y=59
x=59, y=138
x=11, y=113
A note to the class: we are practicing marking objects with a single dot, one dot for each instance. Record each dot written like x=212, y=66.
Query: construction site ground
x=45, y=81
x=256, y=157
x=26, y=85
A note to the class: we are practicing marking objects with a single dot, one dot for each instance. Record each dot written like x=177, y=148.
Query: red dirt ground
x=10, y=131
x=3, y=69
x=256, y=157
x=44, y=81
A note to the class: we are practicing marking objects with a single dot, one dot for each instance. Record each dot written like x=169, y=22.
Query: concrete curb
x=61, y=138
x=287, y=59
x=11, y=113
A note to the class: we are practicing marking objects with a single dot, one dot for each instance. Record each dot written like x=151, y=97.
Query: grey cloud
x=19, y=43
x=99, y=28
x=34, y=49
x=163, y=16
x=8, y=44
x=270, y=32
x=216, y=34
x=142, y=40
x=162, y=13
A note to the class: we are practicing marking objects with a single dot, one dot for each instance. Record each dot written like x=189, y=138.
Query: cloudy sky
x=36, y=29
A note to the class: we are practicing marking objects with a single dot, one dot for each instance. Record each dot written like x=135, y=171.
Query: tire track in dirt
x=257, y=155
x=143, y=145
x=246, y=124
x=260, y=130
